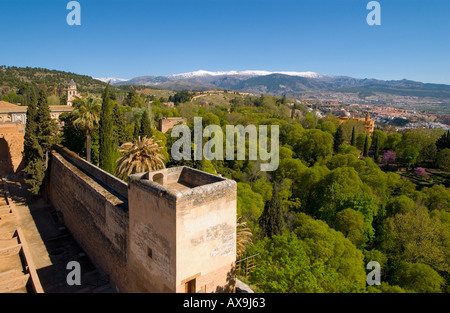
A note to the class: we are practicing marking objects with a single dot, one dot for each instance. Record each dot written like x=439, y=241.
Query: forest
x=338, y=200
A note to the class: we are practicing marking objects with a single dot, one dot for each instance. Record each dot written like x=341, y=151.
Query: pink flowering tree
x=389, y=157
x=421, y=172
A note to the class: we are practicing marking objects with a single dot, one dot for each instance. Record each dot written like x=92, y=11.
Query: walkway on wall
x=49, y=246
x=17, y=270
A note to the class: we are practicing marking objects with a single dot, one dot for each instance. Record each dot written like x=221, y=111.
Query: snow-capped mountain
x=282, y=83
x=248, y=73
x=204, y=80
x=113, y=80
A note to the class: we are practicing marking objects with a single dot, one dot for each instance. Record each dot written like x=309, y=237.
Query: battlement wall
x=165, y=231
x=95, y=214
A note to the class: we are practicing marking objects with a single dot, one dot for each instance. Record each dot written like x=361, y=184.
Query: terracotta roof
x=6, y=107
x=61, y=108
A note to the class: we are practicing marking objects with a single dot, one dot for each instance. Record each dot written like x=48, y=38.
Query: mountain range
x=285, y=83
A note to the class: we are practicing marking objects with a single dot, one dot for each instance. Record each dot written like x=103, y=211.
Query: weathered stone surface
x=197, y=214
x=95, y=217
x=155, y=234
x=166, y=124
x=11, y=147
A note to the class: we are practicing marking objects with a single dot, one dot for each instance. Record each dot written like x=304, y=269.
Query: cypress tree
x=31, y=145
x=366, y=146
x=33, y=154
x=271, y=221
x=108, y=141
x=294, y=107
x=137, y=129
x=46, y=127
x=39, y=142
x=119, y=124
x=443, y=142
x=145, y=129
x=36, y=173
x=376, y=156
x=338, y=139
x=353, y=140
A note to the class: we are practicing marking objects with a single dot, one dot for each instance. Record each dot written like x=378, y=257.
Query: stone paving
x=49, y=244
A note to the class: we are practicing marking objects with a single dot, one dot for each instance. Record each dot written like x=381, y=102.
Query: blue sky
x=129, y=38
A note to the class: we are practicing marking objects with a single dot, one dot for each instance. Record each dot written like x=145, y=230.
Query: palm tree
x=88, y=116
x=141, y=155
x=243, y=237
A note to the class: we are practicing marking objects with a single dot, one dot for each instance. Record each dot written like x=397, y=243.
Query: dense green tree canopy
x=334, y=209
x=285, y=267
x=417, y=277
x=418, y=237
x=313, y=146
x=250, y=204
x=329, y=247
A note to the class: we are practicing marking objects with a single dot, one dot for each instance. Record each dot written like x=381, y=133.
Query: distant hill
x=290, y=83
x=402, y=88
x=21, y=76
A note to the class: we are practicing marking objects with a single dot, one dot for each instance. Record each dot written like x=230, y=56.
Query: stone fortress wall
x=11, y=147
x=166, y=231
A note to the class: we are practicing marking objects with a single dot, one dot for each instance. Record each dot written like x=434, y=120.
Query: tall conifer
x=353, y=140
x=41, y=136
x=120, y=125
x=338, y=138
x=108, y=140
x=366, y=146
x=443, y=142
x=31, y=145
x=376, y=156
x=146, y=129
x=136, y=130
x=46, y=127
x=271, y=221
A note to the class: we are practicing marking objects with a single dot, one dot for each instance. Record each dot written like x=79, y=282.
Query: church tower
x=369, y=124
x=71, y=92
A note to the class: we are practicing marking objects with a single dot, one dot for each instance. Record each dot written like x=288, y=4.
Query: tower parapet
x=183, y=230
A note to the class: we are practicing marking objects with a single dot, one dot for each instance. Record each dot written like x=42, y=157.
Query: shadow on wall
x=230, y=283
x=55, y=244
x=6, y=166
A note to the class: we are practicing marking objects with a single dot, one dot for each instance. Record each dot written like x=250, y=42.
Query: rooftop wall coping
x=173, y=118
x=111, y=181
x=220, y=183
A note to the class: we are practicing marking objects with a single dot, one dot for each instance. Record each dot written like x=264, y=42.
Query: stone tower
x=369, y=124
x=71, y=92
x=182, y=231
